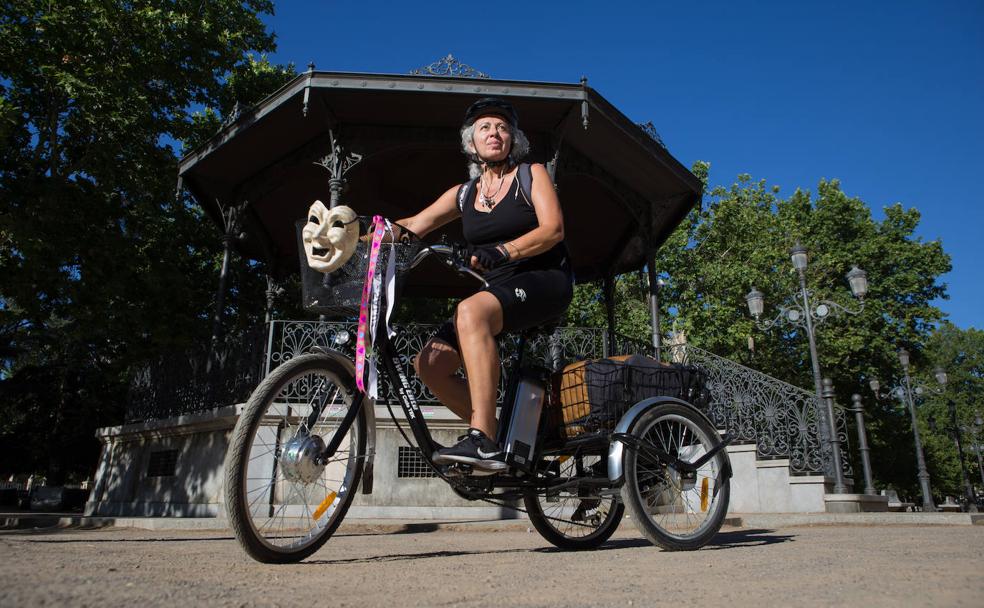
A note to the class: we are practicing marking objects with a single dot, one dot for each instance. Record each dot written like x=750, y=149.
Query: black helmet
x=491, y=105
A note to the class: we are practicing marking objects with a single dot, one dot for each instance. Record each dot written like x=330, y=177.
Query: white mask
x=330, y=236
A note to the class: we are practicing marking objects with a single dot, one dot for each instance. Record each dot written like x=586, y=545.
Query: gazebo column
x=608, y=291
x=273, y=291
x=232, y=225
x=654, y=304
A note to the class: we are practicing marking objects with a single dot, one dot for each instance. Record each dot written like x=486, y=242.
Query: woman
x=518, y=245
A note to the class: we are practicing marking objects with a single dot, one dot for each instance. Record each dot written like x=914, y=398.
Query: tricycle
x=303, y=440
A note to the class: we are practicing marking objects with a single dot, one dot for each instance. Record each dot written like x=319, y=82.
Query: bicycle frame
x=390, y=361
x=391, y=366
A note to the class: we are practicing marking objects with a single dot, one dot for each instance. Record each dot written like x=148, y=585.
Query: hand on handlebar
x=399, y=234
x=485, y=259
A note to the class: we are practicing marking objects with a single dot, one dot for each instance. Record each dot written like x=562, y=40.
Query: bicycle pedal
x=460, y=469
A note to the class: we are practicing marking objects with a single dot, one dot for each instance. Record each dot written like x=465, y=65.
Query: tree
x=740, y=237
x=94, y=99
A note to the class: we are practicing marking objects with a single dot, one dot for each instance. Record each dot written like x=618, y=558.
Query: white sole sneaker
x=477, y=463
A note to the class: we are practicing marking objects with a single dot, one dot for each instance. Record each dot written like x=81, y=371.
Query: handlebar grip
x=457, y=257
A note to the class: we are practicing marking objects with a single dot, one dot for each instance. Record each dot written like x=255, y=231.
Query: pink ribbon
x=378, y=229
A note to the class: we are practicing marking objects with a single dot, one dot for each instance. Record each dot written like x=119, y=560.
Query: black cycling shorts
x=528, y=299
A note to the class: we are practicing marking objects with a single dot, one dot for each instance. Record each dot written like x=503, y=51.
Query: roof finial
x=449, y=67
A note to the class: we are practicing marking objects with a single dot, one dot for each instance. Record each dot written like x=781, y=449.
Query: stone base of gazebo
x=855, y=503
x=174, y=467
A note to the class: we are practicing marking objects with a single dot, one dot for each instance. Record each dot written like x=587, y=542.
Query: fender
x=616, y=474
x=369, y=407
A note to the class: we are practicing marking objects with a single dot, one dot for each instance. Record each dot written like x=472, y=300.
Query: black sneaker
x=475, y=449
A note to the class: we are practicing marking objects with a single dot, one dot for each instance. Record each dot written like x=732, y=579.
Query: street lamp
x=906, y=394
x=799, y=311
x=975, y=430
x=954, y=431
x=858, y=409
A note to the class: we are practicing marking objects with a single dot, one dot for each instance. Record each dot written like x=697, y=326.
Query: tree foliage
x=95, y=97
x=740, y=237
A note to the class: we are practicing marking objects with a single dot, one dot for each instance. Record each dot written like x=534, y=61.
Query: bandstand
x=389, y=145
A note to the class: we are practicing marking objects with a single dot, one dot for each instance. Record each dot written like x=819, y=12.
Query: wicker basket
x=591, y=396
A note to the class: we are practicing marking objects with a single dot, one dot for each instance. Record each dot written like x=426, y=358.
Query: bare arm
x=435, y=215
x=550, y=230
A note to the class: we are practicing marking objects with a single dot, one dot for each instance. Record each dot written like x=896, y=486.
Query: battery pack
x=524, y=420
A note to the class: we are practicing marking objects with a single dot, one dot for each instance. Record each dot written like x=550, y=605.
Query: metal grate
x=410, y=464
x=162, y=463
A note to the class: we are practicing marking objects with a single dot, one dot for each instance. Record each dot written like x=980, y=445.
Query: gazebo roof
x=620, y=190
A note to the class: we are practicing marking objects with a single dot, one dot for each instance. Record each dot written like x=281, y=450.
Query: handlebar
x=452, y=256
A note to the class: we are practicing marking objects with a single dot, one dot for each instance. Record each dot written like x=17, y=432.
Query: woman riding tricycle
x=567, y=442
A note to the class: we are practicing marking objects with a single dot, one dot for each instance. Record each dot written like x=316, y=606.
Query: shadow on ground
x=747, y=538
x=723, y=540
x=86, y=541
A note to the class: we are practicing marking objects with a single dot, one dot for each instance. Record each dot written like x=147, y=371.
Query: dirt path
x=817, y=566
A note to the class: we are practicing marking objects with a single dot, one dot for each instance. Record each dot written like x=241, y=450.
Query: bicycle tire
x=283, y=479
x=554, y=523
x=671, y=511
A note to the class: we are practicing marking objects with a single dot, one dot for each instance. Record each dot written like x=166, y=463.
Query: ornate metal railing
x=289, y=339
x=783, y=420
x=197, y=380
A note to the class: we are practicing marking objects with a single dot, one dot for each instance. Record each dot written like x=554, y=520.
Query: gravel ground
x=483, y=566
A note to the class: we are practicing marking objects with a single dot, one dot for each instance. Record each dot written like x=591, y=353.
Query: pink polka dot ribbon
x=378, y=228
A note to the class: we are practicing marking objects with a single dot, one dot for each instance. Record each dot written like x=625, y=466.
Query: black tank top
x=510, y=219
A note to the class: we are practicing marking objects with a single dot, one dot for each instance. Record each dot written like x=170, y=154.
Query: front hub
x=301, y=459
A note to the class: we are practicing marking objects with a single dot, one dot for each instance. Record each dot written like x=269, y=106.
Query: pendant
x=487, y=202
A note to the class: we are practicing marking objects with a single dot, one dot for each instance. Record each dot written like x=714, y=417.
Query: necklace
x=488, y=200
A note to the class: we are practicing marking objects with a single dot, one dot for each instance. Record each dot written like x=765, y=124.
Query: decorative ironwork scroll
x=197, y=380
x=449, y=67
x=783, y=420
x=650, y=130
x=337, y=162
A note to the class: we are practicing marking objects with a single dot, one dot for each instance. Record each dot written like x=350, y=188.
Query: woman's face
x=492, y=138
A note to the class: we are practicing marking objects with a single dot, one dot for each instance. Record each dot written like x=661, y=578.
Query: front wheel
x=284, y=498
x=675, y=509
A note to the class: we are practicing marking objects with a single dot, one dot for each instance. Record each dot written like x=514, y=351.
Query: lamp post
x=975, y=430
x=905, y=393
x=954, y=431
x=858, y=409
x=801, y=312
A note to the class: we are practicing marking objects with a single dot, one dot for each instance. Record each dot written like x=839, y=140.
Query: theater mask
x=330, y=236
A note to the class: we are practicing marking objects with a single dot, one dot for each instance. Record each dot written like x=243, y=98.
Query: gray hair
x=517, y=152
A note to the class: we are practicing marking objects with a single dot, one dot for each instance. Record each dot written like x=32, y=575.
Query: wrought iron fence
x=197, y=380
x=289, y=339
x=783, y=420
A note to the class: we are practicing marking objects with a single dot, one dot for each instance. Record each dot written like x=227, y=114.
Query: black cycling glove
x=490, y=257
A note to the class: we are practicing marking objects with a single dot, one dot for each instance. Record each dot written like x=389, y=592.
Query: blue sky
x=888, y=97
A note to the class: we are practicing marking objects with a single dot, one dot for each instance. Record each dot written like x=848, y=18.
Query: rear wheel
x=284, y=500
x=675, y=509
x=576, y=517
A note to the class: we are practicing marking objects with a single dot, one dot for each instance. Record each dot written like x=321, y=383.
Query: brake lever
x=453, y=257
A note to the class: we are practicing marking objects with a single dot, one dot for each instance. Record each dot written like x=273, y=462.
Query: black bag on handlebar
x=591, y=396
